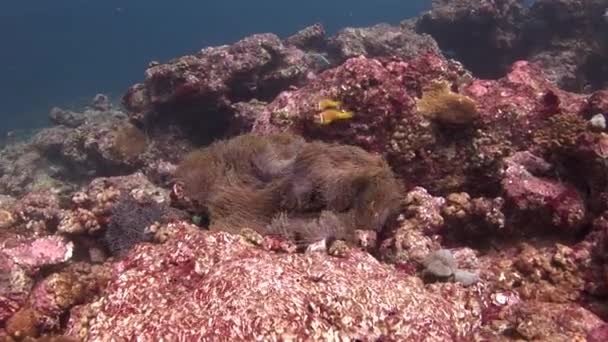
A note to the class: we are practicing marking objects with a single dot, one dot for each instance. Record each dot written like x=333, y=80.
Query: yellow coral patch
x=439, y=103
x=6, y=218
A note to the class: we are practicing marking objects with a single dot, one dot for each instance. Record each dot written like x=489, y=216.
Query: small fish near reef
x=331, y=110
x=329, y=104
x=328, y=116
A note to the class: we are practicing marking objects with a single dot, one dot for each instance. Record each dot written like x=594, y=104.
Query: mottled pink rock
x=213, y=285
x=20, y=261
x=40, y=252
x=425, y=209
x=381, y=93
x=599, y=334
x=537, y=321
x=311, y=37
x=53, y=296
x=529, y=192
x=555, y=321
x=598, y=103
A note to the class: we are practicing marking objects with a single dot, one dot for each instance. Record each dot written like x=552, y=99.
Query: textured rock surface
x=21, y=261
x=257, y=66
x=566, y=37
x=380, y=40
x=229, y=289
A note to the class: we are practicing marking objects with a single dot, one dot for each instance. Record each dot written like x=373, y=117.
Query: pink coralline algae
x=41, y=252
x=519, y=112
x=21, y=260
x=540, y=194
x=598, y=334
x=212, y=285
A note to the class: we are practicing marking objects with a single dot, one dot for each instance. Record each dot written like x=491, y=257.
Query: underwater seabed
x=356, y=186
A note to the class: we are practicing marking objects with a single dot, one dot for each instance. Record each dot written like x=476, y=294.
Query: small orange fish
x=330, y=115
x=329, y=104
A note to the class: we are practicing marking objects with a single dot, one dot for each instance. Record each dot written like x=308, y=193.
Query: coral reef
x=381, y=40
x=258, y=66
x=207, y=95
x=566, y=37
x=104, y=143
x=443, y=207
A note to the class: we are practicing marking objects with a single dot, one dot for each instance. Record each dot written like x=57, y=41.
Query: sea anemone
x=280, y=184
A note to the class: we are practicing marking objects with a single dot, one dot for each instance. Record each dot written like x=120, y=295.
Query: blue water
x=62, y=52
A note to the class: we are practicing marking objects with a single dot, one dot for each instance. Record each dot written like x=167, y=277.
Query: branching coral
x=279, y=184
x=439, y=103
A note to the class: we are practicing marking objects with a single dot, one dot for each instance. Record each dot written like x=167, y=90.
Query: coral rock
x=311, y=37
x=381, y=40
x=559, y=321
x=529, y=192
x=505, y=31
x=78, y=221
x=221, y=282
x=598, y=334
x=45, y=251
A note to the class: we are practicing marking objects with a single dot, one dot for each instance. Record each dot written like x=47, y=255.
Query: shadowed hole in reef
x=244, y=88
x=595, y=71
x=199, y=121
x=472, y=53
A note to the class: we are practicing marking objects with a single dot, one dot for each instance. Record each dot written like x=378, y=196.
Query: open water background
x=63, y=52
